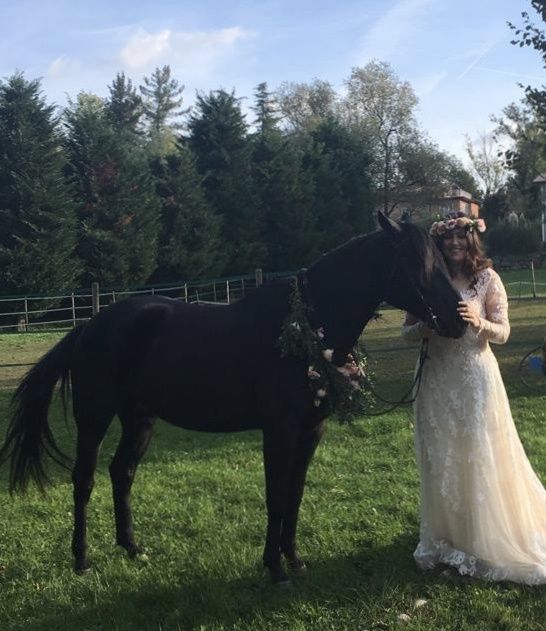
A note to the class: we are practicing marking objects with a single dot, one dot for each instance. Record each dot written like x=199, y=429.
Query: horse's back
x=192, y=365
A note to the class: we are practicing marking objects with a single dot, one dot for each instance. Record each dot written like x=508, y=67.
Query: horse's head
x=419, y=281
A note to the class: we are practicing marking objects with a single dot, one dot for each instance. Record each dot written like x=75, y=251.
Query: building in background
x=455, y=199
x=458, y=200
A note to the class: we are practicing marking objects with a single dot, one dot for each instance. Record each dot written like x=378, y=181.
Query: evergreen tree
x=37, y=212
x=189, y=245
x=265, y=109
x=219, y=140
x=119, y=209
x=339, y=162
x=284, y=188
x=124, y=108
x=162, y=100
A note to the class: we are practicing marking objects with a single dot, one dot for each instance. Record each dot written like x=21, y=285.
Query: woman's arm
x=495, y=327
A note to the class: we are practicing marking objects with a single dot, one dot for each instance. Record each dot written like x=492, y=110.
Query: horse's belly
x=206, y=423
x=210, y=409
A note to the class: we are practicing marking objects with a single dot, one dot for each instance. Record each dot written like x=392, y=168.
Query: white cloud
x=192, y=52
x=144, y=48
x=391, y=32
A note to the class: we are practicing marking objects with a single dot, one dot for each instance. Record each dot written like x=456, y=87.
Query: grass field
x=199, y=511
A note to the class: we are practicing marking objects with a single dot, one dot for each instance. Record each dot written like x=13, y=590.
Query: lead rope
x=415, y=386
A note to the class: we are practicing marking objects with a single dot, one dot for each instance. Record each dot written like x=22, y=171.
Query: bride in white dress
x=483, y=509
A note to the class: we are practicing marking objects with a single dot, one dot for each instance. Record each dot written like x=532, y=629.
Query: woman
x=483, y=509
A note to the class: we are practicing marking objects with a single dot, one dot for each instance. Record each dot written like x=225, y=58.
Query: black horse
x=219, y=369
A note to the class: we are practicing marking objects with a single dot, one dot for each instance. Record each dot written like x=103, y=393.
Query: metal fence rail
x=525, y=289
x=55, y=312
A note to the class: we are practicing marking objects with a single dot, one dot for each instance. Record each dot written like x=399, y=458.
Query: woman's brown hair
x=476, y=260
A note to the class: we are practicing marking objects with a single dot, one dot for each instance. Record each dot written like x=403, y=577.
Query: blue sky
x=455, y=53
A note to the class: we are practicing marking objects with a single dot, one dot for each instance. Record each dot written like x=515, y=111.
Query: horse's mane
x=416, y=241
x=422, y=246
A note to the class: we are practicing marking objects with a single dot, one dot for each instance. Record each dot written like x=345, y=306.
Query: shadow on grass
x=210, y=601
x=362, y=580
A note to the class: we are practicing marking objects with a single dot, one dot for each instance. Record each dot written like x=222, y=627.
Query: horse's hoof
x=133, y=550
x=297, y=567
x=295, y=564
x=278, y=576
x=81, y=569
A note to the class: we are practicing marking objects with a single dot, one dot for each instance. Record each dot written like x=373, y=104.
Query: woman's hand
x=469, y=313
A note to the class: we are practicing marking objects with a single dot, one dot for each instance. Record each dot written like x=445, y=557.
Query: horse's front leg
x=307, y=444
x=279, y=447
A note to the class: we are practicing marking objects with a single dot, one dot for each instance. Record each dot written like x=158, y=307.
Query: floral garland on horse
x=344, y=389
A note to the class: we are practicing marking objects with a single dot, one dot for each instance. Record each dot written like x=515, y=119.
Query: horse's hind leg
x=91, y=430
x=135, y=438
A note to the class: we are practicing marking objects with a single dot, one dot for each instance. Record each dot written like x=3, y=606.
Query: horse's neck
x=346, y=287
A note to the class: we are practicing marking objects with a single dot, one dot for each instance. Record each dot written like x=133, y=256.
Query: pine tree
x=219, y=140
x=340, y=165
x=37, y=212
x=118, y=207
x=265, y=109
x=124, y=108
x=189, y=245
x=284, y=189
x=162, y=99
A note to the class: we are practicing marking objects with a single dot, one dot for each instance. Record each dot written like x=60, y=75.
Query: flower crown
x=439, y=228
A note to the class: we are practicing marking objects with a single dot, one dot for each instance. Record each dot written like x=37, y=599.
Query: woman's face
x=455, y=246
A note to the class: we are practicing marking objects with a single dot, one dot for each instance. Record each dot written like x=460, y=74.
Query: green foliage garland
x=344, y=390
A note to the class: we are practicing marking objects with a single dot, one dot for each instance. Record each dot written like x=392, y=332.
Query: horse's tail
x=29, y=435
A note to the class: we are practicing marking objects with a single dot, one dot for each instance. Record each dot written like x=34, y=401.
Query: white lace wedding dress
x=483, y=509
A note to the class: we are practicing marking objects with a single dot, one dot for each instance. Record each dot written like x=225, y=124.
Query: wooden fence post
x=73, y=305
x=26, y=313
x=533, y=279
x=95, y=298
x=227, y=291
x=186, y=292
x=259, y=277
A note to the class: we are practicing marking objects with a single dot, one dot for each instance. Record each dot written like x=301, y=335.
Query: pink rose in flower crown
x=451, y=223
x=461, y=222
x=441, y=228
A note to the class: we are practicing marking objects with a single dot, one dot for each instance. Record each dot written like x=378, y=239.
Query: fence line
x=42, y=313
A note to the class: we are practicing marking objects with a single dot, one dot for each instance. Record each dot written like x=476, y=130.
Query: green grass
x=199, y=511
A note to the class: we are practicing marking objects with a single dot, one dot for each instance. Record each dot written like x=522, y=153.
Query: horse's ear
x=388, y=225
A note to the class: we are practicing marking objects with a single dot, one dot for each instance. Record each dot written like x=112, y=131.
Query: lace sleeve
x=495, y=326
